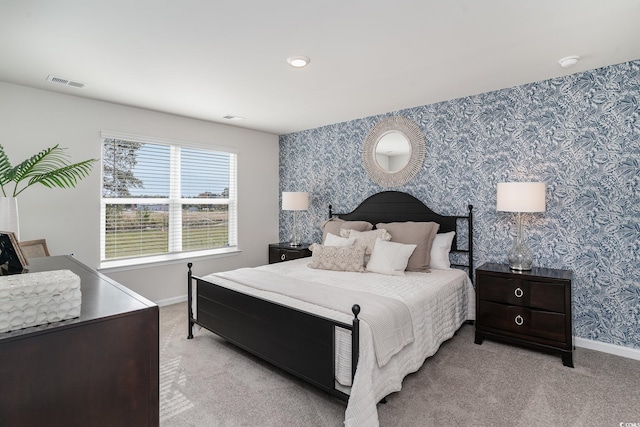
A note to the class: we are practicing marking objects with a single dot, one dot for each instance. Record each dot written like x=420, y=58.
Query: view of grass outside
x=144, y=230
x=204, y=229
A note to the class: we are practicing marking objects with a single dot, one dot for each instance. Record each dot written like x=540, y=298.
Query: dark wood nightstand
x=279, y=252
x=530, y=308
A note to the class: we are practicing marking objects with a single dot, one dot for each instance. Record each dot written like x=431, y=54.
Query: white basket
x=33, y=299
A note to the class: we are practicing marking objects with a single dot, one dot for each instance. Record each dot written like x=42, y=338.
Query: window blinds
x=160, y=198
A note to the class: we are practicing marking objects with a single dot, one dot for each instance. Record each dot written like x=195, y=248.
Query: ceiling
x=209, y=59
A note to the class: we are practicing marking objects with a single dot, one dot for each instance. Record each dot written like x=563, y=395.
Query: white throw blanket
x=388, y=318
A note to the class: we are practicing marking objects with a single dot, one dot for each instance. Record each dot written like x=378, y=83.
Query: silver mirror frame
x=418, y=151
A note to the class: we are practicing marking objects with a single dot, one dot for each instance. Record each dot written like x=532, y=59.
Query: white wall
x=33, y=119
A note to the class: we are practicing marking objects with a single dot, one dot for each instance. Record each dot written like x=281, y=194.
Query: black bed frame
x=296, y=341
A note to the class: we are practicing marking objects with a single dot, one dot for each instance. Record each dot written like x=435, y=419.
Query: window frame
x=174, y=201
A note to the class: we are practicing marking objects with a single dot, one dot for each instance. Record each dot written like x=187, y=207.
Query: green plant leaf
x=49, y=167
x=65, y=177
x=5, y=167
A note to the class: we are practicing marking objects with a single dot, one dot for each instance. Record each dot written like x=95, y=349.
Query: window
x=164, y=200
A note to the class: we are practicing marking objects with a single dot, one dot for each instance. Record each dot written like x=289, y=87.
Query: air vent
x=65, y=82
x=230, y=117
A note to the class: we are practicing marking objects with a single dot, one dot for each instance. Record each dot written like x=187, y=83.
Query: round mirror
x=393, y=151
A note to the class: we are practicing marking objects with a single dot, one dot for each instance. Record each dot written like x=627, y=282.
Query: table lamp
x=520, y=197
x=295, y=201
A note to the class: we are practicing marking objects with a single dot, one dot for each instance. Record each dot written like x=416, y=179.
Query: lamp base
x=519, y=268
x=294, y=239
x=520, y=256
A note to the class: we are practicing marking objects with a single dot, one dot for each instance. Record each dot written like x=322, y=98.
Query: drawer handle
x=283, y=257
x=519, y=320
x=518, y=292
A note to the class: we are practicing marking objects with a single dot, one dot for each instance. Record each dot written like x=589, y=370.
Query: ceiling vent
x=65, y=82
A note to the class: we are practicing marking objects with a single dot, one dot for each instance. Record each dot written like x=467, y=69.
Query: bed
x=327, y=343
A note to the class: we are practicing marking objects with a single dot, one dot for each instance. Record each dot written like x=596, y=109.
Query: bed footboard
x=296, y=341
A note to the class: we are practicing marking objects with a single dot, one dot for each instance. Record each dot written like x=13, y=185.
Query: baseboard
x=618, y=350
x=170, y=301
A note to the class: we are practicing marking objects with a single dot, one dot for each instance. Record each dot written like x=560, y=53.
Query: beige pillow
x=333, y=240
x=390, y=257
x=338, y=258
x=367, y=239
x=334, y=225
x=420, y=234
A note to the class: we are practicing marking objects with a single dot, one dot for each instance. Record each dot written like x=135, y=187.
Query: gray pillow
x=334, y=225
x=420, y=234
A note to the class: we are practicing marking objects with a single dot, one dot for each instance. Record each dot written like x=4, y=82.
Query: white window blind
x=162, y=199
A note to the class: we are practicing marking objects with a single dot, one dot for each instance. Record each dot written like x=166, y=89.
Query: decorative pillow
x=338, y=258
x=367, y=239
x=334, y=225
x=389, y=257
x=333, y=240
x=440, y=251
x=420, y=234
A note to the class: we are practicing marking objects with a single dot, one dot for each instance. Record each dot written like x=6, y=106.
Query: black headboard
x=395, y=206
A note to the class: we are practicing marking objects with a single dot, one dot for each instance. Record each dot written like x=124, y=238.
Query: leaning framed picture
x=11, y=257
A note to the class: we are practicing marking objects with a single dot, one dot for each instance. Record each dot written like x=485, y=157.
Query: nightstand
x=279, y=252
x=529, y=308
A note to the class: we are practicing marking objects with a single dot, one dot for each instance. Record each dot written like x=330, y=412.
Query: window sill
x=168, y=259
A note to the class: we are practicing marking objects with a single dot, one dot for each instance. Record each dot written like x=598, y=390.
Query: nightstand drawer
x=530, y=308
x=279, y=255
x=521, y=320
x=522, y=292
x=279, y=252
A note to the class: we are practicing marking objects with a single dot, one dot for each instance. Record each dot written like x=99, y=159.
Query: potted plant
x=49, y=167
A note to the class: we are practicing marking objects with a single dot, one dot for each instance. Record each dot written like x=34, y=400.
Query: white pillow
x=440, y=251
x=333, y=240
x=389, y=257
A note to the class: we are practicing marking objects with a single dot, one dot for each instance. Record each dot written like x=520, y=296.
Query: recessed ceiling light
x=298, y=61
x=569, y=61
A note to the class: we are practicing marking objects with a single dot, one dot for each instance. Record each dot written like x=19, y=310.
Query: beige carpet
x=208, y=382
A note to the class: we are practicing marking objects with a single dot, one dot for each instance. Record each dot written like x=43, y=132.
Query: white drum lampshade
x=295, y=201
x=521, y=197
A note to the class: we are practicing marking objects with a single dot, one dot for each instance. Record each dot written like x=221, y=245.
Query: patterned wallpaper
x=580, y=134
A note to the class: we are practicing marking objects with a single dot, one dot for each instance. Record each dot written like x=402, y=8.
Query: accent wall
x=580, y=134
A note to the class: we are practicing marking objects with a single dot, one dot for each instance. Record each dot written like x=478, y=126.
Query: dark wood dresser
x=100, y=369
x=530, y=308
x=279, y=252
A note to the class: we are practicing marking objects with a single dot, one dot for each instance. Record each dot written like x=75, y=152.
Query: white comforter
x=439, y=303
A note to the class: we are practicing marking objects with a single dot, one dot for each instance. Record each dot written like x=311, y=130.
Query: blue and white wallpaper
x=580, y=134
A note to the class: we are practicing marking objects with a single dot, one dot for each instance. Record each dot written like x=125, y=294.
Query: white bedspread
x=439, y=302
